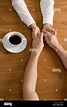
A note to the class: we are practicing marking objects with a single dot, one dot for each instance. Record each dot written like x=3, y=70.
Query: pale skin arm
x=30, y=75
x=53, y=42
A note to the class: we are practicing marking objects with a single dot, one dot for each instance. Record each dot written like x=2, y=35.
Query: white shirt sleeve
x=47, y=11
x=24, y=14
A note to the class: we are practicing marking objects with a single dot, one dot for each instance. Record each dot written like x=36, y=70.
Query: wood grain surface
x=50, y=85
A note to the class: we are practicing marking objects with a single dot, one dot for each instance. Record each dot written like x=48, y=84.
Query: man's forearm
x=30, y=75
x=62, y=54
x=24, y=14
x=47, y=11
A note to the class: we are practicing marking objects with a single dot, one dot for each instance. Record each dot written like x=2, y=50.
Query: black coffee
x=15, y=40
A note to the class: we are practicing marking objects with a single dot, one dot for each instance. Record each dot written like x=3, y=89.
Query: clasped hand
x=50, y=37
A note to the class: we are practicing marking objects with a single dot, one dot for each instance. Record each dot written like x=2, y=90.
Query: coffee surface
x=15, y=40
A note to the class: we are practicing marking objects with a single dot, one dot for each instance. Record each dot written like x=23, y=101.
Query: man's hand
x=37, y=44
x=48, y=28
x=51, y=39
x=35, y=30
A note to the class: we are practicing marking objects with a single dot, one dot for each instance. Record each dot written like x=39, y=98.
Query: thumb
x=53, y=31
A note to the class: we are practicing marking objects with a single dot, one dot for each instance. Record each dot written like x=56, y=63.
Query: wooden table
x=50, y=85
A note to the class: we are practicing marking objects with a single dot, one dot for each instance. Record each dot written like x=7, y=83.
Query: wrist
x=46, y=24
x=60, y=50
x=56, y=46
x=34, y=54
x=33, y=25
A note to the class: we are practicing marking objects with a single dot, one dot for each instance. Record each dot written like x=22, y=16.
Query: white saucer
x=14, y=48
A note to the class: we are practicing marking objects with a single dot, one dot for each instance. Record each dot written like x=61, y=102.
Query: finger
x=44, y=31
x=49, y=35
x=53, y=31
x=41, y=36
x=46, y=39
x=38, y=34
x=56, y=32
x=45, y=36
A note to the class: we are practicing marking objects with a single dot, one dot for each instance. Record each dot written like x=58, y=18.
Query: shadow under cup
x=15, y=39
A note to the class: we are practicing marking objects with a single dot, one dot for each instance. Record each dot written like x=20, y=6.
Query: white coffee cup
x=14, y=46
